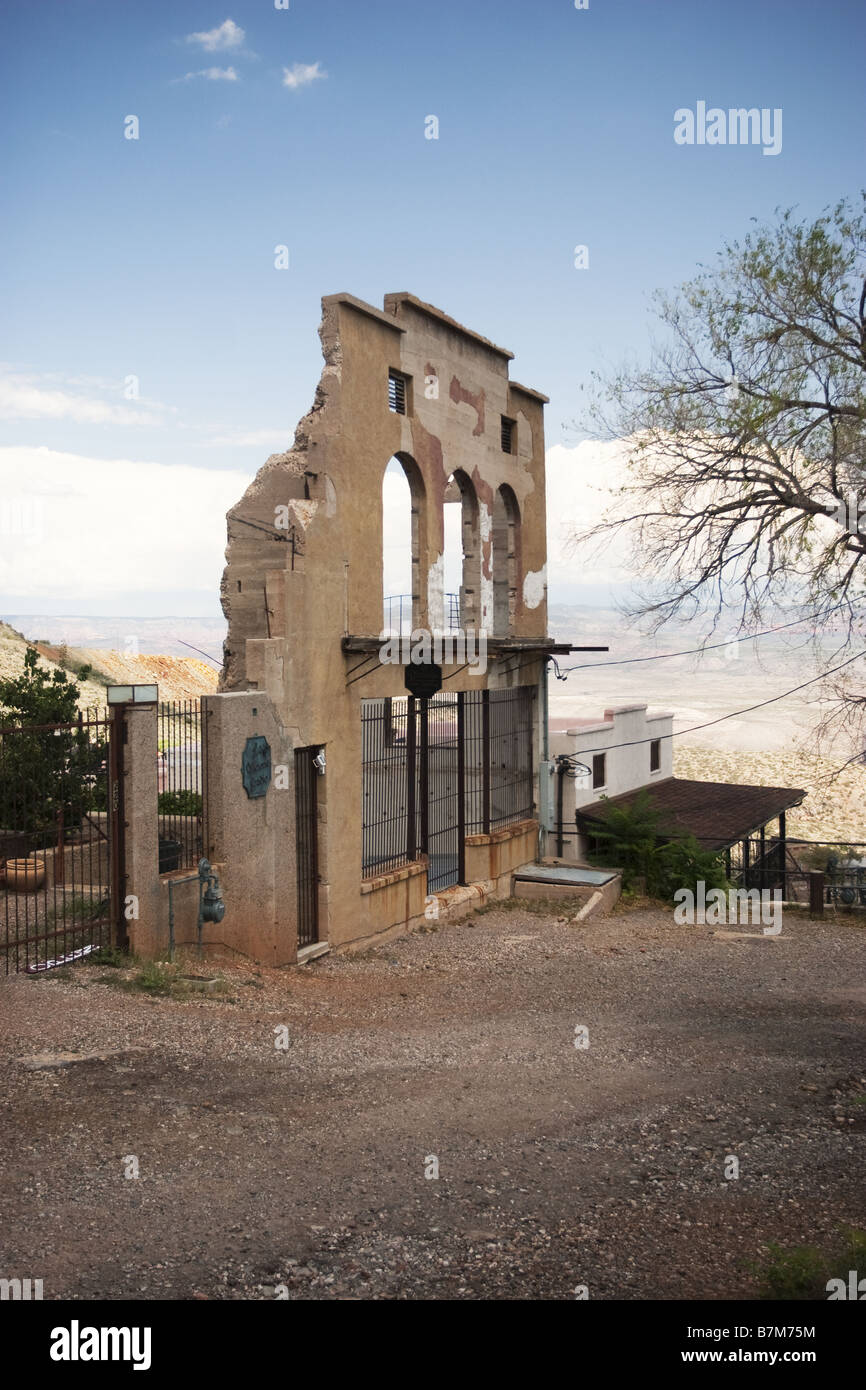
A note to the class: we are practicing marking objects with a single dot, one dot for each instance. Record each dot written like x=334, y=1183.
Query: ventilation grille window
x=397, y=393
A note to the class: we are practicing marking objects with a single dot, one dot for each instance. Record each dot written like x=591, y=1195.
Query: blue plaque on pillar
x=256, y=766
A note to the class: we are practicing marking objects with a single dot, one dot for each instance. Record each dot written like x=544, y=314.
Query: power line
x=199, y=650
x=735, y=714
x=707, y=647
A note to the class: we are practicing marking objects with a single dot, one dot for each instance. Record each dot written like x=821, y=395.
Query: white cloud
x=580, y=486
x=25, y=398
x=274, y=440
x=226, y=35
x=214, y=75
x=302, y=74
x=123, y=524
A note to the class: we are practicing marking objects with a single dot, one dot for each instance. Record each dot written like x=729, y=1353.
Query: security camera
x=319, y=762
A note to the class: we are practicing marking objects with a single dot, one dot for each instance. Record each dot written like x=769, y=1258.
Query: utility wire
x=678, y=733
x=708, y=647
x=199, y=650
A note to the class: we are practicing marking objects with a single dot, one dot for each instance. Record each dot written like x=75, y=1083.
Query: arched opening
x=506, y=551
x=402, y=498
x=461, y=553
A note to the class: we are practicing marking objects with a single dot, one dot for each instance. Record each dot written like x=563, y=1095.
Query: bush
x=182, y=803
x=802, y=1272
x=663, y=860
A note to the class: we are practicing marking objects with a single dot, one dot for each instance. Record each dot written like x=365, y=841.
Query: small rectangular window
x=599, y=776
x=655, y=755
x=507, y=435
x=397, y=393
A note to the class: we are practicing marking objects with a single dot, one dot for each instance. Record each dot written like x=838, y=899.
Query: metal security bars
x=391, y=828
x=182, y=794
x=397, y=393
x=55, y=842
x=440, y=750
x=307, y=844
x=397, y=613
x=512, y=792
x=435, y=771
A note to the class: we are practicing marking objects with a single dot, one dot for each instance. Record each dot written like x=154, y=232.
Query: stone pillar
x=148, y=931
x=251, y=841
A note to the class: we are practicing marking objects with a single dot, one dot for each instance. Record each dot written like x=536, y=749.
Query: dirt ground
x=302, y=1170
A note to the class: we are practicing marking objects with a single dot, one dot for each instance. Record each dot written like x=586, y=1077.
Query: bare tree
x=745, y=436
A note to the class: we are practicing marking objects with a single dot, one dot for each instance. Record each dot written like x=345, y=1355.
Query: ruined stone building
x=391, y=805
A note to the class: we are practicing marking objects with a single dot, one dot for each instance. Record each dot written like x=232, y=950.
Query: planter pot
x=24, y=875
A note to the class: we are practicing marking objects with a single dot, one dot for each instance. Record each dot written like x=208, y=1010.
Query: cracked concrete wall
x=304, y=555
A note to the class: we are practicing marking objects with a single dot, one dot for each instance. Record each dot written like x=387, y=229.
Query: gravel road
x=308, y=1170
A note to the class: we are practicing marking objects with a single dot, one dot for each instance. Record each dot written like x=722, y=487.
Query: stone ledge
x=498, y=837
x=370, y=885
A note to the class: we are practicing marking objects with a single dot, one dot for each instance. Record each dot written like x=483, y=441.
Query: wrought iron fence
x=499, y=745
x=181, y=784
x=434, y=771
x=397, y=613
x=55, y=841
x=391, y=828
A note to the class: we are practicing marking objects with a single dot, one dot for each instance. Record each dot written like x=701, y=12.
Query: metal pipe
x=545, y=750
x=175, y=883
x=560, y=783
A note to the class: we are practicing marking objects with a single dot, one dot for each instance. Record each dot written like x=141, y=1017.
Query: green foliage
x=180, y=803
x=46, y=775
x=38, y=696
x=662, y=860
x=802, y=1272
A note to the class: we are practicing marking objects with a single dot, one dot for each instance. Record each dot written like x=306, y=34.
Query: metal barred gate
x=307, y=845
x=59, y=806
x=437, y=770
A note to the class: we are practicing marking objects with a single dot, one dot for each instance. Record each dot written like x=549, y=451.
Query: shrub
x=180, y=803
x=633, y=841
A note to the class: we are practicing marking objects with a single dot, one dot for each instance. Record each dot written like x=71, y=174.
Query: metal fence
x=500, y=786
x=435, y=771
x=182, y=792
x=55, y=841
x=397, y=613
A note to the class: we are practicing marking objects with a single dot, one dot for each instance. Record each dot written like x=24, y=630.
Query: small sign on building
x=256, y=766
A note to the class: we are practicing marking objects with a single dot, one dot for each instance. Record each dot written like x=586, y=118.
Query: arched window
x=461, y=553
x=402, y=501
x=506, y=559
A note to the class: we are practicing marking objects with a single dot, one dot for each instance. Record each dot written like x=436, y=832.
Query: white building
x=627, y=749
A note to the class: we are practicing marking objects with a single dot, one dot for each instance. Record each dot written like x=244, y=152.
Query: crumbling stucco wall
x=304, y=555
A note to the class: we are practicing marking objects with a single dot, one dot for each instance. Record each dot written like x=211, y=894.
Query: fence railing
x=182, y=794
x=55, y=841
x=438, y=770
x=397, y=613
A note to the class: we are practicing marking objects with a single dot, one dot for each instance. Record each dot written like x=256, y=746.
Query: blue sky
x=154, y=258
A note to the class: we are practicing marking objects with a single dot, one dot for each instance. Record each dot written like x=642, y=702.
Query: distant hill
x=178, y=677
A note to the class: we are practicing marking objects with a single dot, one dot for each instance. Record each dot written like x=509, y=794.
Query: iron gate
x=307, y=845
x=58, y=833
x=437, y=770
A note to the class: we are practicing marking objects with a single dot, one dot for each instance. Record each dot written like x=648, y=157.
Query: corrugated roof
x=718, y=814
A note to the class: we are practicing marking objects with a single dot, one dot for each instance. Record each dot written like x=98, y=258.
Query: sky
x=153, y=355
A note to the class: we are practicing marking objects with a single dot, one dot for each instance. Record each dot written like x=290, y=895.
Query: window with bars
x=507, y=435
x=436, y=770
x=599, y=769
x=655, y=755
x=397, y=392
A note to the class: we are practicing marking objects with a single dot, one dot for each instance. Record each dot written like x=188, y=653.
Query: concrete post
x=146, y=923
x=251, y=841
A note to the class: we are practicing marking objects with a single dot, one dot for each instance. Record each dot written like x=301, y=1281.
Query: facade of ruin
x=396, y=806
